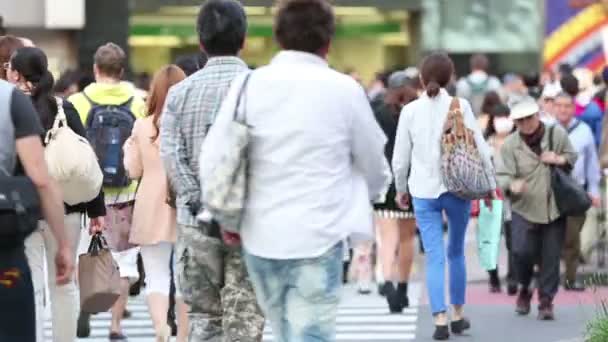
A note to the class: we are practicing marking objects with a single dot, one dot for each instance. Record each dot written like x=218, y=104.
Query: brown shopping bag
x=99, y=277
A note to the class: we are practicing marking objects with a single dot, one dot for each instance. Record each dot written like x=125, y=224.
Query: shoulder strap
x=551, y=130
x=91, y=102
x=242, y=94
x=571, y=129
x=455, y=104
x=128, y=103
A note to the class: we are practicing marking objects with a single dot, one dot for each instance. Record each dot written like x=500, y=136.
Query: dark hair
x=436, y=72
x=531, y=79
x=490, y=100
x=191, y=63
x=84, y=80
x=479, y=62
x=569, y=84
x=66, y=80
x=8, y=45
x=110, y=60
x=32, y=64
x=500, y=110
x=565, y=69
x=222, y=26
x=304, y=25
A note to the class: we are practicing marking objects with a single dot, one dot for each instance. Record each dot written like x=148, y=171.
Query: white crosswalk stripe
x=360, y=318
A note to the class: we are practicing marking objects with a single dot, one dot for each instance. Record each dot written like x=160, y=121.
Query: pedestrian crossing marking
x=360, y=318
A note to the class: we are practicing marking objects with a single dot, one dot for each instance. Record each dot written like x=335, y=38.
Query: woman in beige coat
x=154, y=221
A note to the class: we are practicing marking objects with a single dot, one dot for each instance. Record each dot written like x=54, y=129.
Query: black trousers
x=17, y=308
x=538, y=244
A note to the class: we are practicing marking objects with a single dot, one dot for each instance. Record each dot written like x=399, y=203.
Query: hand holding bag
x=98, y=276
x=570, y=197
x=224, y=184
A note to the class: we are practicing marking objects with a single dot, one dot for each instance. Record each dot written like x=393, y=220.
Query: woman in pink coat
x=154, y=221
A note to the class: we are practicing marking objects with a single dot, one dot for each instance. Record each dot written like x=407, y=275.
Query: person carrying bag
x=99, y=277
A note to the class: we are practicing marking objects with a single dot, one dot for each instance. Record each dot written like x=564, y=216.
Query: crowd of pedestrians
x=309, y=166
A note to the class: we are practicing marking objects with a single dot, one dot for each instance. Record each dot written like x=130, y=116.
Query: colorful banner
x=575, y=33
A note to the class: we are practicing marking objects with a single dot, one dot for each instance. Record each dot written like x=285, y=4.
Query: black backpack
x=108, y=128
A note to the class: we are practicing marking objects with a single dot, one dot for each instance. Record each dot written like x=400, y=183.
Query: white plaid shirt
x=190, y=109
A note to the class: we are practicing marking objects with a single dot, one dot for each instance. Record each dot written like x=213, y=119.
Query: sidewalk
x=493, y=317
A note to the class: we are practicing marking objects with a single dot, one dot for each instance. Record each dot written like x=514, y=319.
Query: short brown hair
x=8, y=45
x=304, y=25
x=479, y=62
x=110, y=60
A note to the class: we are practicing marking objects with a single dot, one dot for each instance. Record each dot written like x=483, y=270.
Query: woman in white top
x=418, y=146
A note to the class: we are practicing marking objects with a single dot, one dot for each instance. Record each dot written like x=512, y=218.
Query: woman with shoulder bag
x=419, y=171
x=154, y=220
x=28, y=70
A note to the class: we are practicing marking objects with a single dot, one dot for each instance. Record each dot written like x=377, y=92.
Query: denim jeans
x=300, y=297
x=429, y=216
x=17, y=307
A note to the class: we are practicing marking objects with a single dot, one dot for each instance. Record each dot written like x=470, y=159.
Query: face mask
x=503, y=125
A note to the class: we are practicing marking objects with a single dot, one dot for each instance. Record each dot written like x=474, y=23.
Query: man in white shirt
x=478, y=83
x=316, y=160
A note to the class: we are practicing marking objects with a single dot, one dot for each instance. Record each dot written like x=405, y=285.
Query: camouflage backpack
x=462, y=167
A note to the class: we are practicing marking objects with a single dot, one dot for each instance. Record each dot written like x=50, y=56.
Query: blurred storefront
x=508, y=31
x=372, y=35
x=50, y=24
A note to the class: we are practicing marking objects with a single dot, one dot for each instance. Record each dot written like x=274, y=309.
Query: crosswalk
x=360, y=318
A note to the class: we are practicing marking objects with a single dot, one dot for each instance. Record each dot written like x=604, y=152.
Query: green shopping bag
x=489, y=227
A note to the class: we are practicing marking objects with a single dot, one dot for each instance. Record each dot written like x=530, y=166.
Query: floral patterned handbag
x=462, y=166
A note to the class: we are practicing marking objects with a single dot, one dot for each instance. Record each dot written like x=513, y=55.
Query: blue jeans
x=430, y=222
x=300, y=297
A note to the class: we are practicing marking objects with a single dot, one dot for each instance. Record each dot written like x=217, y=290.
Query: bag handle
x=98, y=243
x=242, y=94
x=60, y=121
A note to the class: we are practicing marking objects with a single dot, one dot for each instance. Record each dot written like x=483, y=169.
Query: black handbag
x=570, y=197
x=19, y=209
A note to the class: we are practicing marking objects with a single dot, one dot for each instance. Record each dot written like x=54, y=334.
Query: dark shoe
x=402, y=293
x=84, y=325
x=511, y=289
x=458, y=327
x=114, y=336
x=494, y=281
x=545, y=311
x=127, y=314
x=575, y=286
x=442, y=333
x=381, y=291
x=523, y=302
x=392, y=298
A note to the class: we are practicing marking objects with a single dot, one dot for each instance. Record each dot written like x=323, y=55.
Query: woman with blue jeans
x=417, y=170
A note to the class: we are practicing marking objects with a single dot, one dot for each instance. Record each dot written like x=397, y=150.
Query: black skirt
x=390, y=209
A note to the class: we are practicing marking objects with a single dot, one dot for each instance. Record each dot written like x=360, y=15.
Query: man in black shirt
x=20, y=132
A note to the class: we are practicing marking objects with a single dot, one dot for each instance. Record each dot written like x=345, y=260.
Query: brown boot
x=523, y=302
x=545, y=310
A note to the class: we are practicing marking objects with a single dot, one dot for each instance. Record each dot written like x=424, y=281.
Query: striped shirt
x=190, y=110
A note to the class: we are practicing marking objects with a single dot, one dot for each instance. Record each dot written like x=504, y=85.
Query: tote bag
x=98, y=277
x=489, y=227
x=72, y=162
